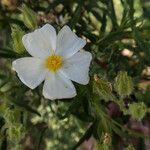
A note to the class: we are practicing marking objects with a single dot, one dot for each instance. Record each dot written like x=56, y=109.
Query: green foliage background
x=113, y=108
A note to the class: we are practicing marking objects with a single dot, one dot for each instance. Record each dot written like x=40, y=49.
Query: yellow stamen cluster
x=53, y=62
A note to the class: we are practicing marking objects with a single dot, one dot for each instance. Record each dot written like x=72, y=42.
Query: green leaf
x=6, y=87
x=26, y=107
x=22, y=104
x=6, y=53
x=29, y=17
x=17, y=34
x=112, y=13
x=124, y=131
x=86, y=136
x=77, y=15
x=123, y=84
x=103, y=26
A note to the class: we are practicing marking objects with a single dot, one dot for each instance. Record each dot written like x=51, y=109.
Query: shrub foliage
x=112, y=110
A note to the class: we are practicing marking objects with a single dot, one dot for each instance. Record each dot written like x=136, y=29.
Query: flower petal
x=30, y=71
x=68, y=43
x=41, y=42
x=56, y=86
x=76, y=68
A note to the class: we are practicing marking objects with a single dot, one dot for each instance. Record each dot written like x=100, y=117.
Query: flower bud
x=102, y=88
x=138, y=110
x=123, y=84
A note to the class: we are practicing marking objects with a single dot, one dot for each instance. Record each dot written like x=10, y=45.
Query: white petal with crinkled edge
x=68, y=43
x=30, y=71
x=41, y=42
x=76, y=68
x=57, y=86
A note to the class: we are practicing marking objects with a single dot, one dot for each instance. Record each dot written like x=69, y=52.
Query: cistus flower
x=55, y=59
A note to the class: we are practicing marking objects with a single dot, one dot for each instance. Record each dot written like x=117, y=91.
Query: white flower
x=55, y=59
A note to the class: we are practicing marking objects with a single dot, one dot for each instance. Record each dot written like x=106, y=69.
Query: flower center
x=53, y=62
